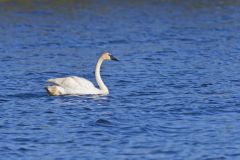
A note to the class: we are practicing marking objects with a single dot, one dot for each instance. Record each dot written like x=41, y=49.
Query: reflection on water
x=173, y=95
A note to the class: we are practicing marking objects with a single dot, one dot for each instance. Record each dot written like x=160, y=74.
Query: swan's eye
x=108, y=57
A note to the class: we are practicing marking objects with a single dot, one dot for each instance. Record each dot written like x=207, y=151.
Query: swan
x=74, y=85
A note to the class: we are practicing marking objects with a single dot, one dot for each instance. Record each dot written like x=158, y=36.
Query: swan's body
x=80, y=86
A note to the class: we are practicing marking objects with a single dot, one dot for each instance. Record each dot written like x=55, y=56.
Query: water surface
x=173, y=95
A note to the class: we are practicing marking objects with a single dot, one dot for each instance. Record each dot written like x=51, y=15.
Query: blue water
x=175, y=94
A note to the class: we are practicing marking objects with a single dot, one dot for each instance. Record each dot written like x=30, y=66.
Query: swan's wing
x=82, y=82
x=72, y=82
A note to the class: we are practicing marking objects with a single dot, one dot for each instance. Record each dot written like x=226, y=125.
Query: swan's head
x=107, y=56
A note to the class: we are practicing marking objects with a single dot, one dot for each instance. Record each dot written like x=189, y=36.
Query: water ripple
x=173, y=95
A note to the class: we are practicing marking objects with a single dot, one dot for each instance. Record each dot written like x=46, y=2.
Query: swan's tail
x=54, y=90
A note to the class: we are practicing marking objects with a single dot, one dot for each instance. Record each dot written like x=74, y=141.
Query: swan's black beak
x=113, y=58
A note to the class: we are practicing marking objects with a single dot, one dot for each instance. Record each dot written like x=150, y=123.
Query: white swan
x=80, y=86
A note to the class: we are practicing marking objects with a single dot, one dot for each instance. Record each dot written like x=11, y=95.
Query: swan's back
x=75, y=85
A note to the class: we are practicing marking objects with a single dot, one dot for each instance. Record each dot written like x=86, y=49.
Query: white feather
x=75, y=85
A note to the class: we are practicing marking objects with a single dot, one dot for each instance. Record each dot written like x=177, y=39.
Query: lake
x=174, y=94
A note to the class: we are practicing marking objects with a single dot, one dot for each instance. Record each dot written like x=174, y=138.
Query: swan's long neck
x=102, y=86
